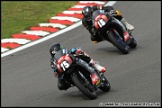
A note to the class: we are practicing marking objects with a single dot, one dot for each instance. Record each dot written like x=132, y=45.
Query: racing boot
x=128, y=26
x=96, y=38
x=97, y=66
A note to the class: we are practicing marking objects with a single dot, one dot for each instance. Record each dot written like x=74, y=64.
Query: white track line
x=4, y=49
x=110, y=3
x=98, y=2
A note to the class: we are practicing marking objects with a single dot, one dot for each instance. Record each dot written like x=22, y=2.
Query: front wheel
x=117, y=40
x=133, y=43
x=106, y=85
x=84, y=86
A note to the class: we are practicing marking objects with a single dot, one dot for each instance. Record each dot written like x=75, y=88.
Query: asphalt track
x=27, y=79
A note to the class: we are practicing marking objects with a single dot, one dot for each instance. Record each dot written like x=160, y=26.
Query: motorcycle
x=112, y=30
x=78, y=73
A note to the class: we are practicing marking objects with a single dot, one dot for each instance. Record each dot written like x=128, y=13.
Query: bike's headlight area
x=101, y=22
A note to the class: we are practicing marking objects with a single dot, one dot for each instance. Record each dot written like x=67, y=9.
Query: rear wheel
x=84, y=86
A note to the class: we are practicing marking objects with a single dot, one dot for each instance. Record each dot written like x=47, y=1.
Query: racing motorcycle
x=78, y=73
x=112, y=30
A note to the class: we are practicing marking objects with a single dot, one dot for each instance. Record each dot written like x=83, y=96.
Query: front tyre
x=106, y=85
x=133, y=43
x=116, y=40
x=85, y=88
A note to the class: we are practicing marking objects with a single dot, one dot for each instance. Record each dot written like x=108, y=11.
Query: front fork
x=86, y=82
x=124, y=32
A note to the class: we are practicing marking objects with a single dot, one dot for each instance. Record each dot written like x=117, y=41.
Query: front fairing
x=95, y=14
x=100, y=19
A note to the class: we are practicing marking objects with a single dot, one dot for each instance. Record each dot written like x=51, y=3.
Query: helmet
x=54, y=48
x=87, y=12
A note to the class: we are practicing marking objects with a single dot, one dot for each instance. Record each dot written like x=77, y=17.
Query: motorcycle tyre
x=133, y=43
x=112, y=39
x=84, y=90
x=106, y=86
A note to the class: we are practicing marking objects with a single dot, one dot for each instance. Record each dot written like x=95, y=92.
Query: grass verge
x=17, y=16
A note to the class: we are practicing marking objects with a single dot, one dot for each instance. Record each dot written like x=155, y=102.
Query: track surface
x=27, y=78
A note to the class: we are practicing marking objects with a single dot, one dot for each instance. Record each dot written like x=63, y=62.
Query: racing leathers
x=115, y=13
x=62, y=83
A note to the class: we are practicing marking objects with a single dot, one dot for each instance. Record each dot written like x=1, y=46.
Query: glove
x=91, y=63
x=79, y=52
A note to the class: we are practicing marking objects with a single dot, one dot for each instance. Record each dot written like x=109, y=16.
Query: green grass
x=17, y=16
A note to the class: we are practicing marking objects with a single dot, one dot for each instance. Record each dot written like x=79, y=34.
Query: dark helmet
x=87, y=12
x=54, y=48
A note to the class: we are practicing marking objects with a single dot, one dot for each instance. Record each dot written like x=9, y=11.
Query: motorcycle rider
x=62, y=84
x=87, y=20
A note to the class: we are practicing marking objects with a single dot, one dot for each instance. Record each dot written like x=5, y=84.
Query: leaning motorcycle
x=78, y=73
x=112, y=30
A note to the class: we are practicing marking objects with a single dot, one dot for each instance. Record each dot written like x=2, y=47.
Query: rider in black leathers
x=62, y=84
x=87, y=20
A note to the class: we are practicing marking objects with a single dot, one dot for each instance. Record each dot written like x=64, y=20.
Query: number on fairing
x=64, y=65
x=101, y=22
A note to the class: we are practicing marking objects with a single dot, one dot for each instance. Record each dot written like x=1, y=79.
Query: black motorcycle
x=112, y=30
x=78, y=73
